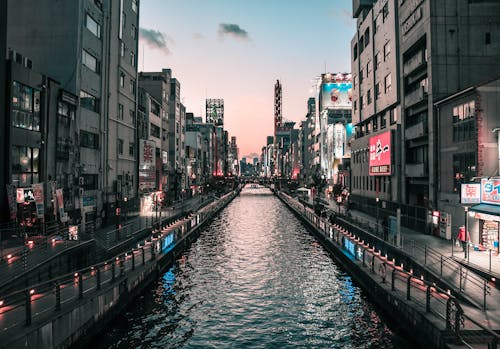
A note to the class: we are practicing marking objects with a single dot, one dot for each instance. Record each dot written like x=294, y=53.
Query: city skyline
x=246, y=44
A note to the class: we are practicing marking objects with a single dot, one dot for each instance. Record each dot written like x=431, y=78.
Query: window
x=89, y=140
x=355, y=51
x=131, y=148
x=120, y=146
x=120, y=111
x=378, y=60
x=122, y=79
x=89, y=102
x=90, y=181
x=369, y=97
x=355, y=106
x=361, y=104
x=377, y=90
x=387, y=83
x=93, y=26
x=90, y=62
x=132, y=58
x=133, y=32
x=487, y=38
x=155, y=131
x=383, y=121
x=387, y=50
x=132, y=87
x=354, y=81
x=361, y=76
x=393, y=116
x=464, y=168
x=367, y=36
x=464, y=122
x=25, y=107
x=368, y=68
x=135, y=5
x=25, y=163
x=385, y=11
x=122, y=49
x=132, y=116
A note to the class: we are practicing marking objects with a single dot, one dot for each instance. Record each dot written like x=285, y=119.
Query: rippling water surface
x=254, y=279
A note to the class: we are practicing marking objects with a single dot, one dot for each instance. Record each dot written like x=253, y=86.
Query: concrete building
x=99, y=68
x=234, y=166
x=376, y=107
x=468, y=149
x=442, y=50
x=157, y=85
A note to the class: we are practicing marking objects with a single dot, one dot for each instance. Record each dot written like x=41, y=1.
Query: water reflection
x=254, y=279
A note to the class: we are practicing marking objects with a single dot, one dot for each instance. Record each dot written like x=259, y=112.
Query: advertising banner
x=215, y=111
x=147, y=179
x=339, y=140
x=335, y=91
x=38, y=194
x=470, y=193
x=490, y=191
x=146, y=153
x=380, y=155
x=60, y=201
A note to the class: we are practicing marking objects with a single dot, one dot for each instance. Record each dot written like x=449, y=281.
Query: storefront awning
x=490, y=210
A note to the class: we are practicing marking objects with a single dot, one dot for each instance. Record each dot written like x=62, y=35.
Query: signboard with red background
x=470, y=193
x=490, y=191
x=380, y=155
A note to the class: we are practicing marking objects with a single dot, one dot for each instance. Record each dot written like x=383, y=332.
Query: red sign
x=380, y=154
x=490, y=191
x=147, y=152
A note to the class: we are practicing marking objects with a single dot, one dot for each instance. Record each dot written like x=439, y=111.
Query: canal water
x=255, y=278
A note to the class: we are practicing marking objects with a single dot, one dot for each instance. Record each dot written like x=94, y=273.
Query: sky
x=237, y=49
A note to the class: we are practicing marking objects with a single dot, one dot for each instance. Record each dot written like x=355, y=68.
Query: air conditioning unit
x=81, y=181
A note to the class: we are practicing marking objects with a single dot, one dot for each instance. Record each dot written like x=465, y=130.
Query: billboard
x=335, y=91
x=470, y=193
x=215, y=111
x=146, y=153
x=490, y=191
x=380, y=155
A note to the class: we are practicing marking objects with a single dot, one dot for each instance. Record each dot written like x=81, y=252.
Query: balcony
x=416, y=131
x=359, y=5
x=415, y=97
x=416, y=170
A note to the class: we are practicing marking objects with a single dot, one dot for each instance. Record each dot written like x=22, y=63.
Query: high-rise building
x=99, y=68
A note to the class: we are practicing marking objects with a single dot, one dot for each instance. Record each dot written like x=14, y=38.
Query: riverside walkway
x=457, y=313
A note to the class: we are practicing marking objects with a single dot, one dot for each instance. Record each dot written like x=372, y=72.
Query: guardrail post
x=122, y=266
x=143, y=256
x=485, y=292
x=113, y=270
x=425, y=255
x=28, y=307
x=408, y=287
x=80, y=285
x=460, y=284
x=373, y=264
x=152, y=250
x=133, y=260
x=58, y=295
x=364, y=252
x=383, y=271
x=441, y=265
x=98, y=278
x=393, y=279
x=428, y=299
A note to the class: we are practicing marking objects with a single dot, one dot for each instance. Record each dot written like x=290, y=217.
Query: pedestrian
x=462, y=238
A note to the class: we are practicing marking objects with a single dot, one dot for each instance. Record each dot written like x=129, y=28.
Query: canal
x=254, y=278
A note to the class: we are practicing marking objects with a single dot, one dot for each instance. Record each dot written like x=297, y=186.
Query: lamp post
x=466, y=210
x=377, y=200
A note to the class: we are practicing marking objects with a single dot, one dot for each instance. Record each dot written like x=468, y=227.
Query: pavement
x=26, y=257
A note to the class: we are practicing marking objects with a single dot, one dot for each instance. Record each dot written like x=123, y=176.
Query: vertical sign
x=12, y=201
x=60, y=202
x=38, y=194
x=470, y=193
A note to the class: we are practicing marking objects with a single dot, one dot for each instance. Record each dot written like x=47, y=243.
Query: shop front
x=483, y=218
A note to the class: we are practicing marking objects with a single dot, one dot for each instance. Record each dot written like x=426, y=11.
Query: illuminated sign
x=146, y=152
x=215, y=111
x=380, y=155
x=490, y=191
x=24, y=195
x=470, y=193
x=336, y=91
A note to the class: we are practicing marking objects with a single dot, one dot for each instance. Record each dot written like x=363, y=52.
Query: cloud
x=155, y=39
x=233, y=30
x=198, y=36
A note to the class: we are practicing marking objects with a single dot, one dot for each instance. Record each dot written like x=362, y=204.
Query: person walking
x=462, y=237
